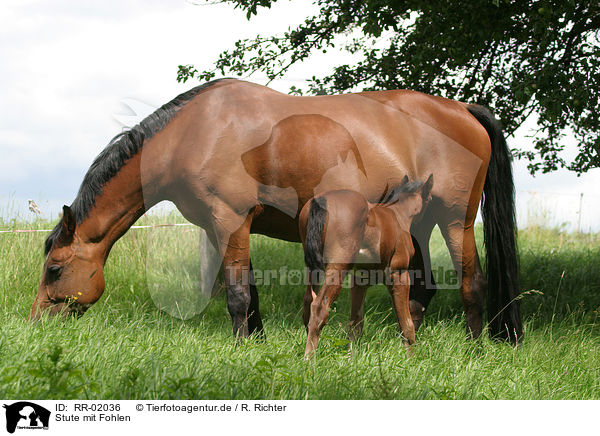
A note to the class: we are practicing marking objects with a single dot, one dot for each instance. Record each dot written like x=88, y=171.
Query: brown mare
x=238, y=158
x=340, y=231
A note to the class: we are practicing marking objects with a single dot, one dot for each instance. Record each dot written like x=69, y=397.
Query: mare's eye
x=54, y=271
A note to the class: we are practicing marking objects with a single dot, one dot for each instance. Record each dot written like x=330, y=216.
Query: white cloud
x=66, y=65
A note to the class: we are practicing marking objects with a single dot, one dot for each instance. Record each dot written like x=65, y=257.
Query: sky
x=72, y=73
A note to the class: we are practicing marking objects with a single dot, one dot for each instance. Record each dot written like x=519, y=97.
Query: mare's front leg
x=400, y=289
x=423, y=287
x=236, y=267
x=255, y=324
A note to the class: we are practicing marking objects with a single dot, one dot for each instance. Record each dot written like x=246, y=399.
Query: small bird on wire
x=34, y=207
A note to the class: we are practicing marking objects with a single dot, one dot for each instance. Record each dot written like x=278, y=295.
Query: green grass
x=125, y=347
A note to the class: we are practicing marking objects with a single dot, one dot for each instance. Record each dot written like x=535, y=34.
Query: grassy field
x=126, y=348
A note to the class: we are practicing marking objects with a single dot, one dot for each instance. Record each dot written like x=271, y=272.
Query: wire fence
x=132, y=227
x=574, y=212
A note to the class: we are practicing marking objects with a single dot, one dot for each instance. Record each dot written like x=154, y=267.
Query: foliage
x=520, y=58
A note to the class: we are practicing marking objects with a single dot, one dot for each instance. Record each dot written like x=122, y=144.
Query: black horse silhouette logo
x=32, y=416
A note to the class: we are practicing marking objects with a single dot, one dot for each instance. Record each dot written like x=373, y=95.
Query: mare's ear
x=427, y=187
x=404, y=181
x=68, y=226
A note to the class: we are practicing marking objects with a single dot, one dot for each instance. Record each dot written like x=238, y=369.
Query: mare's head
x=73, y=277
x=411, y=197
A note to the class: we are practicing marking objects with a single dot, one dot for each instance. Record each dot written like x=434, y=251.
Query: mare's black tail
x=499, y=227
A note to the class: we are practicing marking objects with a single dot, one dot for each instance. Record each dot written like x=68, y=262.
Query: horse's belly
x=277, y=224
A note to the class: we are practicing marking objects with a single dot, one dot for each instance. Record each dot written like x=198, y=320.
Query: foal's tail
x=499, y=229
x=315, y=225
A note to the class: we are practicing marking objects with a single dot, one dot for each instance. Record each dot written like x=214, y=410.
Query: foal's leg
x=308, y=299
x=400, y=289
x=357, y=309
x=319, y=308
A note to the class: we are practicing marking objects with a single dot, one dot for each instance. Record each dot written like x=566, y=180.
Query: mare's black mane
x=118, y=151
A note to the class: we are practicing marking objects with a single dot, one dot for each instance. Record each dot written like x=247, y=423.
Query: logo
x=26, y=415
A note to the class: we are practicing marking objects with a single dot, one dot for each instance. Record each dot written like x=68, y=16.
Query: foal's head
x=410, y=197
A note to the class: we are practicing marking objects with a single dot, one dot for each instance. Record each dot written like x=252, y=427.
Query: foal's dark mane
x=393, y=196
x=118, y=151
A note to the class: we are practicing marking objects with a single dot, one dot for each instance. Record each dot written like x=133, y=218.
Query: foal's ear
x=68, y=224
x=427, y=187
x=404, y=181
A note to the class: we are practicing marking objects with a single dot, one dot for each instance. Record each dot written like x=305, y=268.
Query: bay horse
x=341, y=231
x=239, y=158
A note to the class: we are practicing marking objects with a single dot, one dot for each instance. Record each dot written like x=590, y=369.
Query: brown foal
x=341, y=231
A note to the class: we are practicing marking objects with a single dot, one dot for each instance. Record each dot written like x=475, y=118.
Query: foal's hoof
x=310, y=355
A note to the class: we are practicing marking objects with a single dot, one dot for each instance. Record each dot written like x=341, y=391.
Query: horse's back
x=450, y=118
x=234, y=100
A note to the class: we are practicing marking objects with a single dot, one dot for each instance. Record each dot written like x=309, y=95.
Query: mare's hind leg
x=478, y=288
x=357, y=309
x=461, y=244
x=422, y=287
